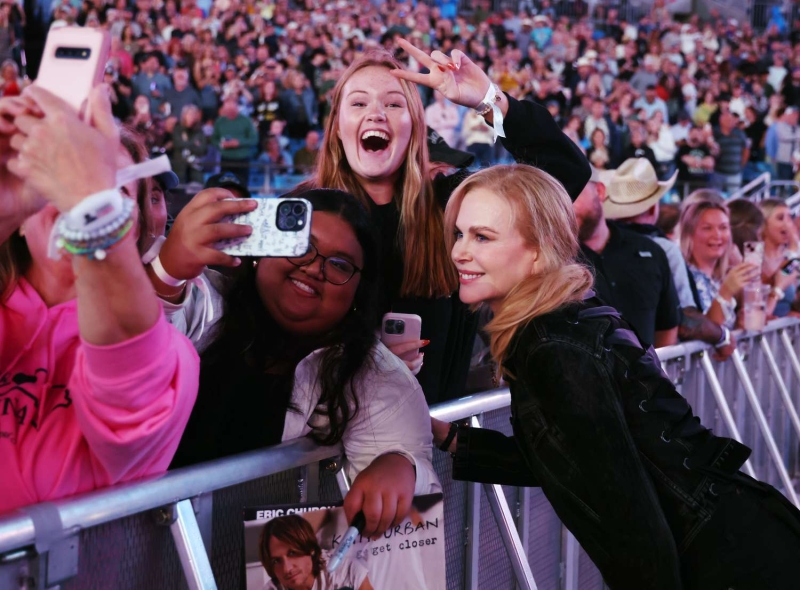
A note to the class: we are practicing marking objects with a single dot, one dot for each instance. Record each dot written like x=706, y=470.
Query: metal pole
x=473, y=537
x=787, y=343
x=571, y=555
x=191, y=550
x=343, y=481
x=752, y=397
x=523, y=517
x=508, y=532
x=723, y=406
x=784, y=391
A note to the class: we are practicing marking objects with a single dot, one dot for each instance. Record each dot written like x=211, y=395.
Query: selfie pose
x=655, y=499
x=76, y=332
x=375, y=147
x=290, y=350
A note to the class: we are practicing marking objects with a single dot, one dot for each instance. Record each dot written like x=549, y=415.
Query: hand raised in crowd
x=59, y=155
x=383, y=492
x=17, y=199
x=737, y=277
x=189, y=249
x=457, y=77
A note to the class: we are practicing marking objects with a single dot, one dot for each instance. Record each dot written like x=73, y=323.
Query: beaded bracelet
x=97, y=249
x=96, y=243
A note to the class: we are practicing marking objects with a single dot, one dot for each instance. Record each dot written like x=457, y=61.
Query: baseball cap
x=441, y=152
x=167, y=180
x=230, y=181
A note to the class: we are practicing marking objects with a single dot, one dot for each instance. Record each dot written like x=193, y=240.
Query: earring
x=355, y=308
x=255, y=263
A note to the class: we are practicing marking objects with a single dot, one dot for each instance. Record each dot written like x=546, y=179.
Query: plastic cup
x=755, y=307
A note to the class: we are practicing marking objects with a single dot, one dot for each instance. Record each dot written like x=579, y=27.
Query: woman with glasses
x=294, y=352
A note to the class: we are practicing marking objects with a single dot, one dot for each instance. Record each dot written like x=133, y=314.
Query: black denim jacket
x=616, y=449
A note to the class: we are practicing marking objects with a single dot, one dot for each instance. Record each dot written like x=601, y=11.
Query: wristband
x=451, y=434
x=778, y=293
x=489, y=103
x=725, y=303
x=726, y=338
x=95, y=211
x=163, y=275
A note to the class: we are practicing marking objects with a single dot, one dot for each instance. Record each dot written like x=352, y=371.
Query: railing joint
x=165, y=515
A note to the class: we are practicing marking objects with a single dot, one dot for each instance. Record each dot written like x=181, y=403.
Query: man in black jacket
x=631, y=271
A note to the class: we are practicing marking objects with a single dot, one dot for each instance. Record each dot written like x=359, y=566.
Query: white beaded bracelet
x=163, y=275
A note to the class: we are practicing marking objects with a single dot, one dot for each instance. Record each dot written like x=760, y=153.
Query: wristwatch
x=725, y=340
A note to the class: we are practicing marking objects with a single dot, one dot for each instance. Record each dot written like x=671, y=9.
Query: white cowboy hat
x=584, y=62
x=632, y=188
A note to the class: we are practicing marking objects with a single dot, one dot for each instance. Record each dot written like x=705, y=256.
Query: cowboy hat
x=632, y=188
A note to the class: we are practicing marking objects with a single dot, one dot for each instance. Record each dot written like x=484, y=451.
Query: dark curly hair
x=248, y=334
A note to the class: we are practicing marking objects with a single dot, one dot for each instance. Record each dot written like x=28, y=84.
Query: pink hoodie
x=75, y=417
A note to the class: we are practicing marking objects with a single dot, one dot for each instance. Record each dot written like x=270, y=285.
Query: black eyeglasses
x=338, y=272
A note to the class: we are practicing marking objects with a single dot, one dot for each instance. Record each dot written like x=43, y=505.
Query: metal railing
x=497, y=536
x=756, y=190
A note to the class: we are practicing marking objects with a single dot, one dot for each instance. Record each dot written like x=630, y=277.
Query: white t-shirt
x=349, y=574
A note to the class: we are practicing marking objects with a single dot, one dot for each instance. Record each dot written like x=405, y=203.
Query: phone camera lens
x=299, y=209
x=290, y=222
x=285, y=209
x=400, y=325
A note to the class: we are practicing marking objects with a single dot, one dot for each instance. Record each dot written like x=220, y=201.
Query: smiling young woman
x=375, y=147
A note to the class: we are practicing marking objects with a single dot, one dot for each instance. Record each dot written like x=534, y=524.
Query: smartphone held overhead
x=73, y=63
x=281, y=227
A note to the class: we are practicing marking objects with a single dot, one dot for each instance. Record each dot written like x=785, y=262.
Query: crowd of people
x=246, y=86
x=127, y=349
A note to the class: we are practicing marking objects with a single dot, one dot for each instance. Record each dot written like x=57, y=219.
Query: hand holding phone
x=398, y=329
x=280, y=227
x=191, y=244
x=73, y=63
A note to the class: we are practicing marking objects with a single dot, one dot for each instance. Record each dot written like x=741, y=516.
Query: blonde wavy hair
x=427, y=269
x=690, y=219
x=543, y=214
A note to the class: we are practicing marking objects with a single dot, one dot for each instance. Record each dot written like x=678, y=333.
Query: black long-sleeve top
x=532, y=137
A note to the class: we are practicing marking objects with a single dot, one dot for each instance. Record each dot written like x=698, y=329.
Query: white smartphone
x=397, y=328
x=754, y=253
x=73, y=63
x=281, y=227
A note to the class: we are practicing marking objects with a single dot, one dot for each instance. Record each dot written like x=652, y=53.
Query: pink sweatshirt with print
x=75, y=417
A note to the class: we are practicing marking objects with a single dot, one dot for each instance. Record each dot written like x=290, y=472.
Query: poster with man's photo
x=289, y=547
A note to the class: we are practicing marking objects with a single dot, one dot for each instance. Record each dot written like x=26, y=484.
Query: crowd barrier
x=183, y=529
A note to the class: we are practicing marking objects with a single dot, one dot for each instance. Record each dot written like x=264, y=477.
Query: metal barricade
x=756, y=190
x=183, y=529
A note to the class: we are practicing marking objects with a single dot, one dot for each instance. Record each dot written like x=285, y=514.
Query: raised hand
x=457, y=77
x=62, y=157
x=17, y=200
x=190, y=245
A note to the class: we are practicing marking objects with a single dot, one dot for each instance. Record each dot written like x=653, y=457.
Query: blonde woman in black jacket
x=655, y=499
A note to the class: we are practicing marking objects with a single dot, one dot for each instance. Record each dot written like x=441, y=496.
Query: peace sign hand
x=457, y=77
